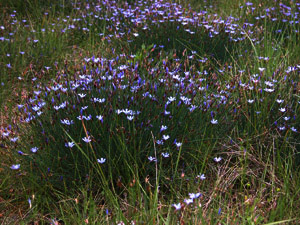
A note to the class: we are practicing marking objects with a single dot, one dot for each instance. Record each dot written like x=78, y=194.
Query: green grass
x=257, y=180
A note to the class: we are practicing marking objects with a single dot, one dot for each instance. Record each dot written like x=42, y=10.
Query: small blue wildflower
x=81, y=95
x=21, y=153
x=178, y=144
x=67, y=122
x=282, y=109
x=29, y=201
x=15, y=167
x=166, y=137
x=101, y=160
x=217, y=159
x=171, y=99
x=87, y=139
x=34, y=149
x=87, y=118
x=100, y=118
x=6, y=134
x=14, y=139
x=188, y=201
x=130, y=117
x=194, y=195
x=177, y=206
x=152, y=159
x=165, y=155
x=167, y=112
x=293, y=129
x=160, y=142
x=268, y=90
x=202, y=177
x=69, y=144
x=213, y=121
x=163, y=128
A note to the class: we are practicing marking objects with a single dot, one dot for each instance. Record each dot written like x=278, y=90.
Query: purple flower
x=202, y=177
x=20, y=153
x=166, y=137
x=165, y=155
x=282, y=109
x=188, y=201
x=130, y=117
x=152, y=159
x=87, y=139
x=178, y=144
x=14, y=139
x=160, y=142
x=213, y=121
x=100, y=118
x=34, y=149
x=177, y=206
x=67, y=122
x=194, y=195
x=69, y=144
x=217, y=159
x=81, y=95
x=101, y=160
x=29, y=202
x=293, y=129
x=15, y=167
x=163, y=128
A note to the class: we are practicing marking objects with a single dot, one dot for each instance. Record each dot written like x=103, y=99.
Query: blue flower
x=21, y=153
x=152, y=159
x=163, y=128
x=166, y=137
x=14, y=139
x=100, y=118
x=293, y=129
x=218, y=159
x=165, y=155
x=81, y=95
x=188, y=201
x=15, y=167
x=69, y=144
x=101, y=160
x=202, y=177
x=178, y=144
x=160, y=142
x=282, y=109
x=130, y=117
x=87, y=139
x=213, y=121
x=194, y=195
x=34, y=149
x=177, y=206
x=30, y=204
